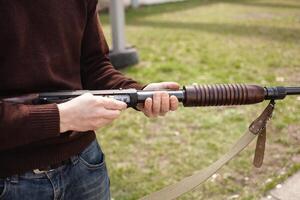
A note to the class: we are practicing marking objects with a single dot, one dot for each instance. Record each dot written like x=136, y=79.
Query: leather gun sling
x=187, y=184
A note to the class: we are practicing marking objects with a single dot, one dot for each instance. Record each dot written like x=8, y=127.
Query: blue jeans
x=85, y=178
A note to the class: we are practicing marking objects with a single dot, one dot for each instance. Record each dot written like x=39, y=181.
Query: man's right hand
x=88, y=112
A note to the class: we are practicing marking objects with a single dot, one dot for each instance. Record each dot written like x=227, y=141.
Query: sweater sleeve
x=22, y=124
x=97, y=71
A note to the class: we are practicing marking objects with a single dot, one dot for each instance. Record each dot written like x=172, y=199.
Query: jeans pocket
x=92, y=157
x=3, y=187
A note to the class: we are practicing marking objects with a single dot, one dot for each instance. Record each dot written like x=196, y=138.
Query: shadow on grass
x=158, y=9
x=272, y=33
x=191, y=4
x=168, y=8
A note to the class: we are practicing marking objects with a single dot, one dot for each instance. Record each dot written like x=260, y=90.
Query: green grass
x=207, y=42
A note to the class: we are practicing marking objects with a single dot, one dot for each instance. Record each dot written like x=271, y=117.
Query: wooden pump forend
x=233, y=94
x=222, y=94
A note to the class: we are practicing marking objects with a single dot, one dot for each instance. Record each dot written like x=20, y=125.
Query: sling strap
x=257, y=128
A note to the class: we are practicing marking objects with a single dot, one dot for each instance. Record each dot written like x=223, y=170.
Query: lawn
x=199, y=41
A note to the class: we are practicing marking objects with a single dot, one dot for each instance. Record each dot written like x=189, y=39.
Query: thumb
x=170, y=85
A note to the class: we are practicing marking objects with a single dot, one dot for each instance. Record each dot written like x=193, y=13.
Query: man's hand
x=161, y=102
x=88, y=112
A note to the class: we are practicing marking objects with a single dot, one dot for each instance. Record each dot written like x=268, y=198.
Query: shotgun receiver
x=190, y=96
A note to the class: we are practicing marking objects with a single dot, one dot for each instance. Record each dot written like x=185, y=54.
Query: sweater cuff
x=45, y=119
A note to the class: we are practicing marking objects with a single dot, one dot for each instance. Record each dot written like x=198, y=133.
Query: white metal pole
x=117, y=19
x=121, y=55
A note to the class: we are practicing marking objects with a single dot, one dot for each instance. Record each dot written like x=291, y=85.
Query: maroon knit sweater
x=48, y=45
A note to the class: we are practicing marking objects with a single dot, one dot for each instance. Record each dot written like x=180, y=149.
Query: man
x=49, y=151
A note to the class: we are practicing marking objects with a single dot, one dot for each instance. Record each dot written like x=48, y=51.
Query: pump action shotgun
x=190, y=96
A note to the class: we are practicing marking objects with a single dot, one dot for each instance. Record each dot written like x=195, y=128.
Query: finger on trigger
x=173, y=103
x=112, y=104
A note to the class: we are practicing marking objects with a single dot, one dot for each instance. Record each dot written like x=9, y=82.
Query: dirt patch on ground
x=294, y=132
x=289, y=76
x=256, y=16
x=296, y=158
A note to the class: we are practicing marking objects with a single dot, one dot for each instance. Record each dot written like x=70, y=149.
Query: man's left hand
x=161, y=103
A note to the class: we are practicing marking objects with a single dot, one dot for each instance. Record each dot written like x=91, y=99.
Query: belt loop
x=74, y=159
x=14, y=179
